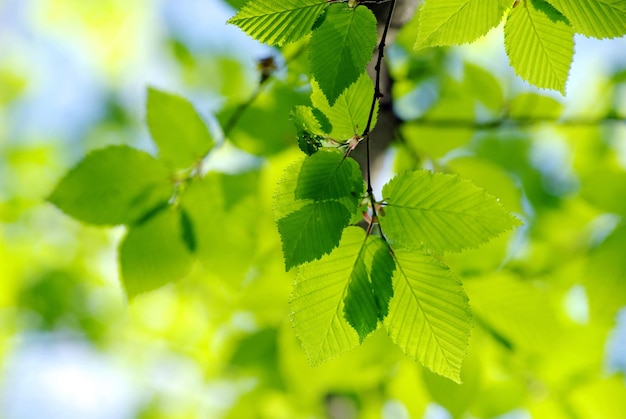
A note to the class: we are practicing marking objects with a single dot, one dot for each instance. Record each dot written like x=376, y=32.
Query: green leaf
x=341, y=47
x=454, y=22
x=327, y=175
x=224, y=215
x=305, y=118
x=429, y=315
x=113, y=185
x=484, y=86
x=596, y=18
x=317, y=301
x=278, y=22
x=154, y=253
x=314, y=202
x=540, y=44
x=360, y=308
x=178, y=131
x=312, y=231
x=348, y=115
x=382, y=269
x=370, y=288
x=441, y=212
x=308, y=128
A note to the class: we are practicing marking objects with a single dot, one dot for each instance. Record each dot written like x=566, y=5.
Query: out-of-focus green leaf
x=178, y=130
x=154, y=253
x=114, y=185
x=223, y=213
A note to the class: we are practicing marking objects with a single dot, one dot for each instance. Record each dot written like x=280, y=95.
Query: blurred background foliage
x=549, y=339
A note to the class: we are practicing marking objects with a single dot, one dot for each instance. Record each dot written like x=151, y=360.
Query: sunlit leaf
x=114, y=185
x=179, y=132
x=540, y=44
x=278, y=22
x=317, y=301
x=441, y=212
x=453, y=22
x=341, y=47
x=597, y=18
x=348, y=115
x=429, y=315
x=381, y=273
x=360, y=308
x=154, y=253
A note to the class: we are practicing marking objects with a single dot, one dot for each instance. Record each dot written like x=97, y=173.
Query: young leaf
x=455, y=22
x=370, y=288
x=348, y=115
x=154, y=253
x=382, y=269
x=441, y=212
x=278, y=22
x=341, y=47
x=429, y=315
x=312, y=231
x=596, y=18
x=317, y=301
x=360, y=308
x=114, y=185
x=309, y=128
x=178, y=131
x=540, y=44
x=327, y=175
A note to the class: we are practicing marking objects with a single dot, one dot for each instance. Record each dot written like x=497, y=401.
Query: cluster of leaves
x=538, y=34
x=172, y=212
x=350, y=281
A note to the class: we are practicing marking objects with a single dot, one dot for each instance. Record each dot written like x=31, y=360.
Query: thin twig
x=376, y=96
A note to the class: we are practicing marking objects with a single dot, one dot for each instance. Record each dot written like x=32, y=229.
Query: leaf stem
x=376, y=96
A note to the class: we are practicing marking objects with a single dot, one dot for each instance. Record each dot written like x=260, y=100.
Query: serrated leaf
x=114, y=185
x=360, y=309
x=440, y=212
x=312, y=231
x=327, y=175
x=178, y=131
x=455, y=22
x=341, y=47
x=348, y=115
x=154, y=253
x=317, y=301
x=316, y=196
x=596, y=18
x=382, y=270
x=540, y=44
x=429, y=315
x=278, y=22
x=285, y=199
